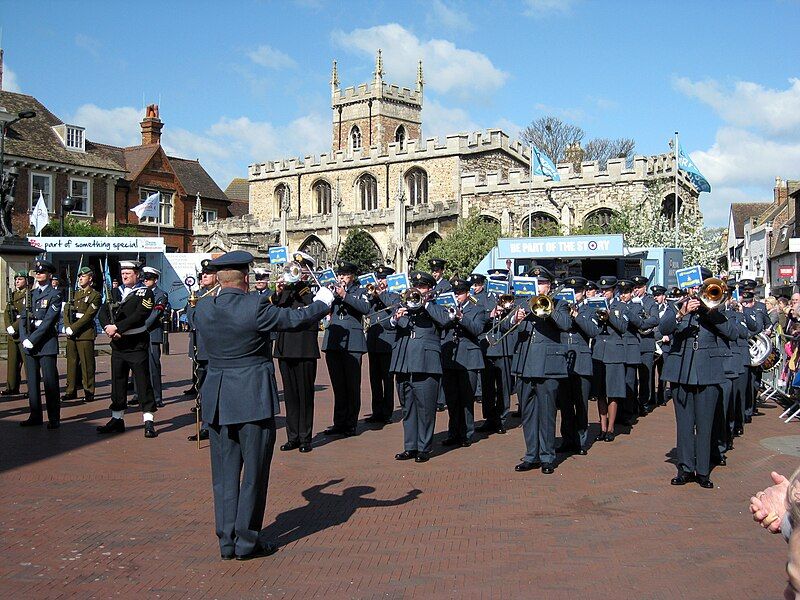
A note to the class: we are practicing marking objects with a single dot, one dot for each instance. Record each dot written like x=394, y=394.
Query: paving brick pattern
x=83, y=516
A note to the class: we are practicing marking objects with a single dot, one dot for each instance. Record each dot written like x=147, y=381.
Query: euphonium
x=541, y=305
x=713, y=292
x=412, y=299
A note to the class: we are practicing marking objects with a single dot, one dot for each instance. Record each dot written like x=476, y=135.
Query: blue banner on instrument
x=397, y=282
x=597, y=303
x=689, y=277
x=567, y=295
x=278, y=255
x=496, y=287
x=526, y=286
x=327, y=277
x=447, y=299
x=367, y=278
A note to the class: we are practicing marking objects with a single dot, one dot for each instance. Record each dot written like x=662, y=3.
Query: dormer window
x=72, y=137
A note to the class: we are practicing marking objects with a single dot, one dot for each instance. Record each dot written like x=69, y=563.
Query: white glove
x=26, y=343
x=324, y=295
x=10, y=330
x=68, y=331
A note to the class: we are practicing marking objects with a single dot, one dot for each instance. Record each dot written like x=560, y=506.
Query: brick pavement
x=82, y=516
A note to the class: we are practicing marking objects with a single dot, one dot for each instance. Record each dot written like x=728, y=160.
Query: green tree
x=358, y=248
x=465, y=247
x=74, y=227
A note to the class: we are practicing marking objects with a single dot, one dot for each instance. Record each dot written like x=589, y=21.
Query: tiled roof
x=194, y=178
x=238, y=191
x=35, y=138
x=744, y=211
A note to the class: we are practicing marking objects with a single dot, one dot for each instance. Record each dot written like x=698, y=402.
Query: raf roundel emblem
x=592, y=245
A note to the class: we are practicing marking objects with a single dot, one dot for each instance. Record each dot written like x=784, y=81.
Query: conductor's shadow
x=324, y=510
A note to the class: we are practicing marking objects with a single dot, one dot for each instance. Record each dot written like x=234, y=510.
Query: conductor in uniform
x=297, y=353
x=38, y=332
x=379, y=348
x=344, y=346
x=125, y=324
x=80, y=332
x=240, y=398
x=417, y=365
x=15, y=308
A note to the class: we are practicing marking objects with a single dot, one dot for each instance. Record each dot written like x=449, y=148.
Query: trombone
x=411, y=299
x=540, y=306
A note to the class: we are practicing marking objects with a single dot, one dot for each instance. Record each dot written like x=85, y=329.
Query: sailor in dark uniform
x=240, y=399
x=541, y=363
x=462, y=360
x=344, y=346
x=441, y=286
x=125, y=325
x=155, y=328
x=297, y=353
x=417, y=365
x=695, y=366
x=573, y=393
x=261, y=284
x=647, y=344
x=380, y=340
x=38, y=334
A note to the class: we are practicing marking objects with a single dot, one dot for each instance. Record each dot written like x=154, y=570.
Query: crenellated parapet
x=414, y=150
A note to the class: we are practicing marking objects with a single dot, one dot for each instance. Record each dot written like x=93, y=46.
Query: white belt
x=37, y=323
x=78, y=315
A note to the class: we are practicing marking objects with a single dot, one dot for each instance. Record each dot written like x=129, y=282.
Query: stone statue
x=7, y=187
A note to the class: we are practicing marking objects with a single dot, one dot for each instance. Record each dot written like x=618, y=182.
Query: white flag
x=40, y=217
x=148, y=208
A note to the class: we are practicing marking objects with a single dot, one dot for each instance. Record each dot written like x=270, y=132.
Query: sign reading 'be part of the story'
x=576, y=246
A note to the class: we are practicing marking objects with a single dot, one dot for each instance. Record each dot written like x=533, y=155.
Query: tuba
x=713, y=292
x=760, y=348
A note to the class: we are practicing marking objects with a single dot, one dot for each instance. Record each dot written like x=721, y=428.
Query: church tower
x=375, y=113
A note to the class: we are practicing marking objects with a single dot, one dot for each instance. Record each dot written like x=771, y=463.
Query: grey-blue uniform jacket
x=418, y=345
x=442, y=286
x=630, y=336
x=609, y=348
x=46, y=309
x=649, y=327
x=153, y=323
x=508, y=344
x=576, y=339
x=697, y=352
x=734, y=362
x=380, y=338
x=345, y=332
x=540, y=352
x=234, y=329
x=460, y=344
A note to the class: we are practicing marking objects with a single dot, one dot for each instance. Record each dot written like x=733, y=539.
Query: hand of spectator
x=769, y=505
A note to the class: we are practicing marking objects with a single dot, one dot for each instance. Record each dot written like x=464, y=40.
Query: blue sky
x=248, y=81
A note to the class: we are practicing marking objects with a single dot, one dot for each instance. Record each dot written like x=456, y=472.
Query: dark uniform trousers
x=497, y=384
x=720, y=432
x=14, y=366
x=80, y=363
x=154, y=363
x=573, y=402
x=460, y=388
x=537, y=402
x=122, y=363
x=298, y=375
x=381, y=384
x=43, y=368
x=344, y=369
x=694, y=414
x=646, y=391
x=418, y=394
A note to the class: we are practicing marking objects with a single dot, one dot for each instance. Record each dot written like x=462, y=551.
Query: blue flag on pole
x=687, y=164
x=107, y=280
x=542, y=165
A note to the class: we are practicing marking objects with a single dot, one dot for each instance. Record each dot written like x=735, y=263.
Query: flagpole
x=677, y=171
x=530, y=196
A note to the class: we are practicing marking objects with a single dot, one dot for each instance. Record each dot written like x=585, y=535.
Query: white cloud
x=439, y=121
x=574, y=115
x=443, y=16
x=10, y=83
x=447, y=67
x=270, y=57
x=546, y=8
x=115, y=126
x=749, y=104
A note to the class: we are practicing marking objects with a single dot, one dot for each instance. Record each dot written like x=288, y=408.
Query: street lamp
x=23, y=114
x=67, y=205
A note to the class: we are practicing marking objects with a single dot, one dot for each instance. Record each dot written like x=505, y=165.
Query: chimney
x=151, y=126
x=781, y=191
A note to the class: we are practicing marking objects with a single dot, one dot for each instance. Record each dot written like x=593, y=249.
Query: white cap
x=307, y=258
x=129, y=264
x=151, y=271
x=260, y=271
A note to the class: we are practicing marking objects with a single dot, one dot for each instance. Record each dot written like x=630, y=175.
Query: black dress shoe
x=227, y=556
x=53, y=424
x=203, y=436
x=113, y=426
x=88, y=397
x=486, y=427
x=451, y=442
x=466, y=443
x=349, y=433
x=757, y=413
x=548, y=469
x=306, y=447
x=30, y=422
x=406, y=455
x=374, y=419
x=192, y=391
x=600, y=437
x=738, y=431
x=501, y=430
x=440, y=408
x=160, y=404
x=564, y=448
x=705, y=482
x=133, y=401
x=422, y=457
x=526, y=466
x=682, y=478
x=581, y=452
x=610, y=436
x=150, y=430
x=261, y=550
x=9, y=393
x=289, y=446
x=721, y=461
x=66, y=397
x=334, y=431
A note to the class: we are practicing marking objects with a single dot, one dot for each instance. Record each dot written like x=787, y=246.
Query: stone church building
x=406, y=191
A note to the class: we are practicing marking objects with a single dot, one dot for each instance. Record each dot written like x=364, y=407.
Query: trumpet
x=602, y=315
x=713, y=292
x=413, y=299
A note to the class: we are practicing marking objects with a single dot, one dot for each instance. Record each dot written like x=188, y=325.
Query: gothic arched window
x=400, y=137
x=417, y=186
x=355, y=138
x=540, y=224
x=600, y=219
x=281, y=199
x=322, y=195
x=368, y=192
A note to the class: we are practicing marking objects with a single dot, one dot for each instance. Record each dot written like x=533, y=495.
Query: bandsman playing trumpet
x=462, y=360
x=379, y=348
x=541, y=363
